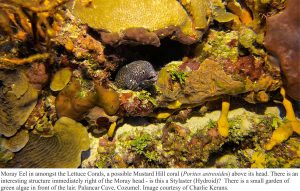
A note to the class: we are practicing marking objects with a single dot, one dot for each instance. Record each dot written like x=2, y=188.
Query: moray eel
x=136, y=75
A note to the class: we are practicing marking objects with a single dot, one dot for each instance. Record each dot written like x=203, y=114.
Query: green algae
x=222, y=45
x=178, y=76
x=248, y=38
x=140, y=143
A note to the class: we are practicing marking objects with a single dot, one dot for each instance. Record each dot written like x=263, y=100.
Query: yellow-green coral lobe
x=61, y=79
x=119, y=15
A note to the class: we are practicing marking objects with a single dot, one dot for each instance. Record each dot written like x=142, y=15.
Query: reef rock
x=208, y=82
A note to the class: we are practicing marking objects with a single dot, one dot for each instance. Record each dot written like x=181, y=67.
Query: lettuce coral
x=62, y=150
x=18, y=99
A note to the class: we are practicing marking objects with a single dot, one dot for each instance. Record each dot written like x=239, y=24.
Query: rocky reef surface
x=169, y=83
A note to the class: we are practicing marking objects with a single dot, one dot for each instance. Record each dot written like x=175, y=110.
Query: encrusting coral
x=74, y=100
x=208, y=82
x=17, y=142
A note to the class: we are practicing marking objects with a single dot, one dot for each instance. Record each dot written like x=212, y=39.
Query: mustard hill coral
x=143, y=21
x=108, y=99
x=75, y=100
x=60, y=79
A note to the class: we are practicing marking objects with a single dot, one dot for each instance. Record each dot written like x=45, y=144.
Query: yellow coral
x=113, y=15
x=286, y=130
x=223, y=125
x=108, y=99
x=61, y=79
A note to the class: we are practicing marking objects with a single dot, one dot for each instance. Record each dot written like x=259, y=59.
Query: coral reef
x=160, y=84
x=174, y=144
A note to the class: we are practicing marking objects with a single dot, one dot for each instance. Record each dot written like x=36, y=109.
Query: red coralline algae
x=246, y=66
x=37, y=75
x=283, y=39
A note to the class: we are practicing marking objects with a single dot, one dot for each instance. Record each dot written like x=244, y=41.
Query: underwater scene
x=149, y=83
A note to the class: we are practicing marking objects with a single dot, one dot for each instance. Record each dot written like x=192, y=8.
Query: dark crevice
x=227, y=148
x=169, y=50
